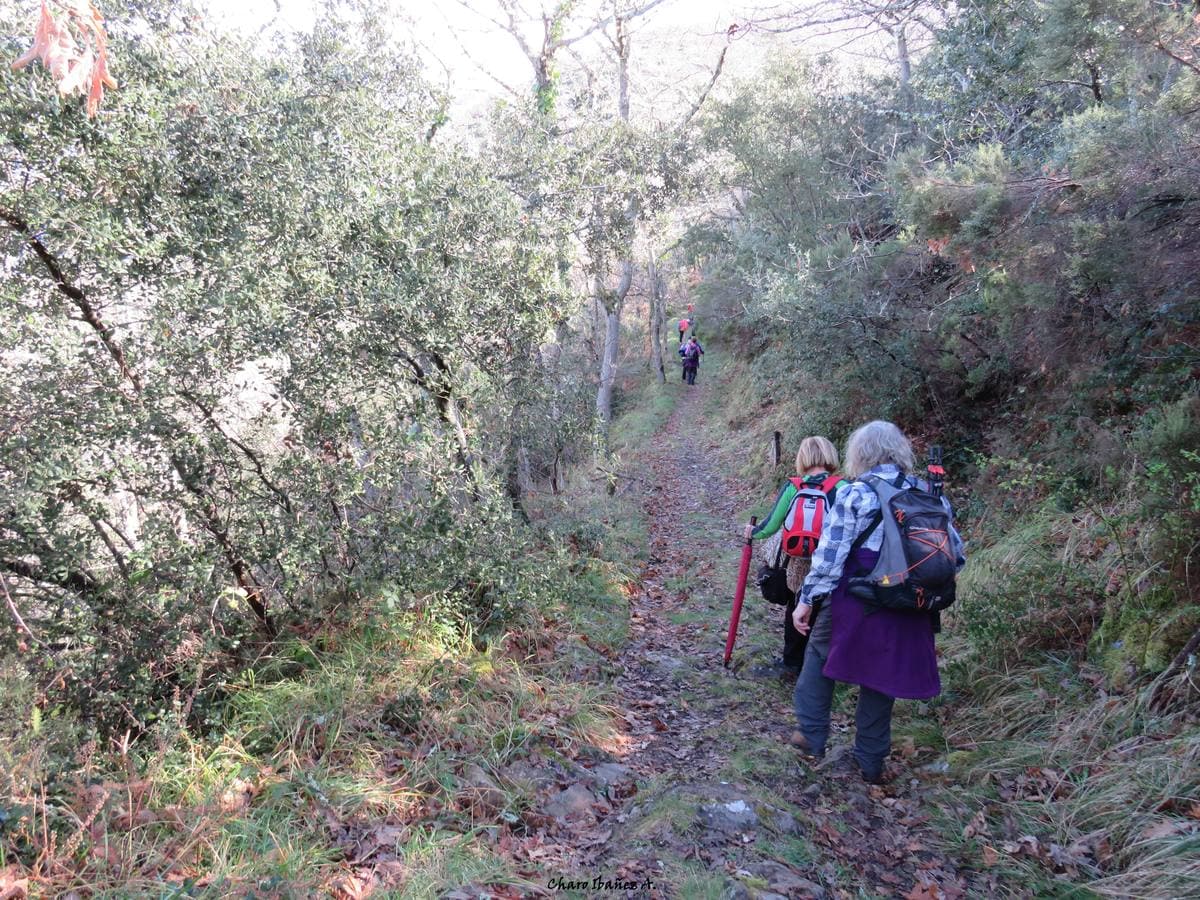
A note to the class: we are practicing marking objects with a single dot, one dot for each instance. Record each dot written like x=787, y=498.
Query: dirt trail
x=723, y=807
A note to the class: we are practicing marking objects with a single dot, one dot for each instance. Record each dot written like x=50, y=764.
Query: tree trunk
x=448, y=409
x=524, y=469
x=622, y=46
x=608, y=362
x=515, y=458
x=613, y=302
x=658, y=315
x=557, y=476
x=904, y=60
x=1097, y=87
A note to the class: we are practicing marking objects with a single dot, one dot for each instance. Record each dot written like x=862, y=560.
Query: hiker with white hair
x=865, y=633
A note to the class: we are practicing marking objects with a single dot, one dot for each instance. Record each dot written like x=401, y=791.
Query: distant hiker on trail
x=684, y=324
x=886, y=650
x=816, y=461
x=691, y=353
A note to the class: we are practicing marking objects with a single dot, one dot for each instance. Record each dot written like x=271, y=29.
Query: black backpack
x=917, y=565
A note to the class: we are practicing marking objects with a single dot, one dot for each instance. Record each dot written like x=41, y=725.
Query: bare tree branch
x=628, y=16
x=695, y=108
x=76, y=294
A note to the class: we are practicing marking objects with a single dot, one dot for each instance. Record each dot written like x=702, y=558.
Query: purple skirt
x=887, y=650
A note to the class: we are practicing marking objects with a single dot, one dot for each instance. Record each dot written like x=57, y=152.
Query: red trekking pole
x=739, y=595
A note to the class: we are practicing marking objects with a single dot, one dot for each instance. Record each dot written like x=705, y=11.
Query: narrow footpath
x=707, y=799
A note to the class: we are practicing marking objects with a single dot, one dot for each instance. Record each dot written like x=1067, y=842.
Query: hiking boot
x=800, y=742
x=873, y=776
x=777, y=668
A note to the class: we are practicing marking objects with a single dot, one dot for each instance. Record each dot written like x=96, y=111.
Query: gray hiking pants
x=814, y=696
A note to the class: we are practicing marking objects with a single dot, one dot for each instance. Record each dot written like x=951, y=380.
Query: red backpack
x=802, y=527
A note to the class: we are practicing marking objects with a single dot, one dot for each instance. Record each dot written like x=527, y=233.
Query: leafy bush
x=306, y=359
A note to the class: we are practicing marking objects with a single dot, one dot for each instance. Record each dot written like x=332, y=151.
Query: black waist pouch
x=772, y=581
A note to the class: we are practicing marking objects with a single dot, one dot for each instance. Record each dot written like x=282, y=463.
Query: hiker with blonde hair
x=889, y=652
x=816, y=461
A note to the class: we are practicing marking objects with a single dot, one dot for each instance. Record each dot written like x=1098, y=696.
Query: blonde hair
x=877, y=443
x=814, y=452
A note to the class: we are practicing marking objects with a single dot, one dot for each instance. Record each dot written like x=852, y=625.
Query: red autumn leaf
x=77, y=66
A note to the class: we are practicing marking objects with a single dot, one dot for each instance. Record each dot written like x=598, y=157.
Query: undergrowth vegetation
x=384, y=740
x=382, y=749
x=1068, y=781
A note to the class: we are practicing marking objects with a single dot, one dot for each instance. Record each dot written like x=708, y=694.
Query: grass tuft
x=384, y=752
x=1077, y=786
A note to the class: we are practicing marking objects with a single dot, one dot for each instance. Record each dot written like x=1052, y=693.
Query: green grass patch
x=594, y=523
x=696, y=881
x=390, y=735
x=789, y=849
x=757, y=758
x=682, y=584
x=599, y=608
x=663, y=806
x=640, y=410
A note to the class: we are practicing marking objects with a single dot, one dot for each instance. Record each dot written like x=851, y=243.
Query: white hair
x=876, y=443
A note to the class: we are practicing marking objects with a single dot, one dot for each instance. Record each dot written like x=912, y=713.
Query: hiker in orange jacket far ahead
x=684, y=325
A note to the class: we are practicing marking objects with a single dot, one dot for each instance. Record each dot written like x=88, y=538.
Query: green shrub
x=1032, y=590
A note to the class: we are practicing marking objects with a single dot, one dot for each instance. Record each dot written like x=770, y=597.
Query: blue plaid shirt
x=853, y=508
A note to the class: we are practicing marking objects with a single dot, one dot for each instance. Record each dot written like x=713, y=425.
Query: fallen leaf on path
x=977, y=825
x=1165, y=829
x=382, y=837
x=504, y=892
x=354, y=886
x=13, y=886
x=830, y=833
x=923, y=891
